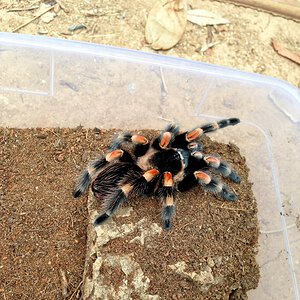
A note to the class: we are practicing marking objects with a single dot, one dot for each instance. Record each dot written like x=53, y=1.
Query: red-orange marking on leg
x=212, y=161
x=168, y=179
x=114, y=154
x=165, y=140
x=190, y=136
x=139, y=139
x=149, y=175
x=203, y=177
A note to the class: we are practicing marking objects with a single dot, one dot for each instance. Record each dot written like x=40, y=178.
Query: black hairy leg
x=184, y=139
x=132, y=183
x=221, y=167
x=198, y=160
x=209, y=183
x=166, y=193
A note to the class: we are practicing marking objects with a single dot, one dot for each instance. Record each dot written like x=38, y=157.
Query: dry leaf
x=203, y=17
x=295, y=57
x=166, y=23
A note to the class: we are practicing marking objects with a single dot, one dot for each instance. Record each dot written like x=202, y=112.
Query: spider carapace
x=170, y=163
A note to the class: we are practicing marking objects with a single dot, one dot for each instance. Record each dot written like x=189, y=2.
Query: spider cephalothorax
x=173, y=161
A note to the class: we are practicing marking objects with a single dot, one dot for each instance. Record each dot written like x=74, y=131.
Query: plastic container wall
x=47, y=82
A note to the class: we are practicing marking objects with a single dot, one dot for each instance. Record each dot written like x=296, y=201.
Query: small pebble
x=210, y=262
x=60, y=157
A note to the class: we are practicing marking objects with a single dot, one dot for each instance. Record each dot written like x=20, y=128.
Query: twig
x=22, y=9
x=39, y=15
x=64, y=283
x=81, y=282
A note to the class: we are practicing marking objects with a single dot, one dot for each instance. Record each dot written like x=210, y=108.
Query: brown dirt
x=207, y=232
x=45, y=229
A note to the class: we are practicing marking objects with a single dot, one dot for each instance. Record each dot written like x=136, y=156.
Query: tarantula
x=173, y=161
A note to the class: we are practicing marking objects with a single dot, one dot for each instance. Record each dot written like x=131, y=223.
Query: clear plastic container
x=46, y=82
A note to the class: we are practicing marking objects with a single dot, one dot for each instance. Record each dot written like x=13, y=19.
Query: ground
x=210, y=252
x=244, y=44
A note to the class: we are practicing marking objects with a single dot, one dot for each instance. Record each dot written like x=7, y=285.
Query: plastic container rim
x=58, y=44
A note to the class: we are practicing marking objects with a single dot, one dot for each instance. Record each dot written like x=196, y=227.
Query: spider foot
x=222, y=168
x=235, y=177
x=82, y=184
x=220, y=124
x=113, y=203
x=87, y=176
x=167, y=215
x=227, y=194
x=101, y=219
x=214, y=185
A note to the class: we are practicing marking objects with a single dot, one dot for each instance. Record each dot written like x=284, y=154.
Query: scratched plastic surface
x=48, y=83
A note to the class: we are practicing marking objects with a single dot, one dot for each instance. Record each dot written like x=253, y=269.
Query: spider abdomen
x=110, y=178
